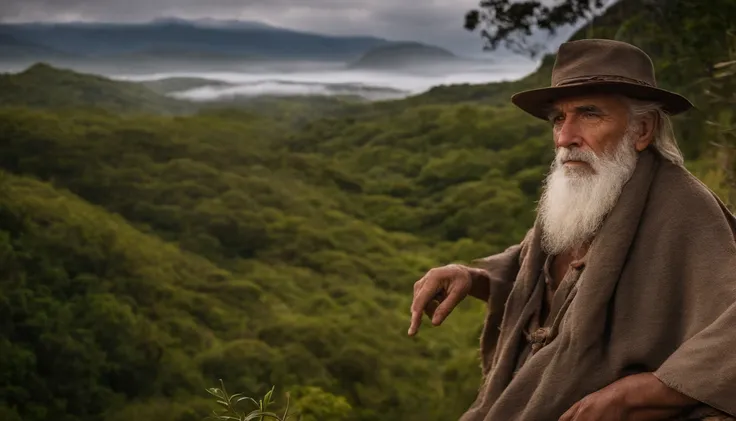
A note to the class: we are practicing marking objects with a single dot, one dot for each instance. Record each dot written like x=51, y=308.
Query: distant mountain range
x=174, y=42
x=403, y=54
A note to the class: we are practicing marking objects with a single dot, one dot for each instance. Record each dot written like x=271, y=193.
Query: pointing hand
x=438, y=293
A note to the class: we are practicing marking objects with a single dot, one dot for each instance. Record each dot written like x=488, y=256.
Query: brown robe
x=537, y=331
x=658, y=294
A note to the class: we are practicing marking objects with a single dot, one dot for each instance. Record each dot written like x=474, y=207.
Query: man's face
x=587, y=125
x=596, y=155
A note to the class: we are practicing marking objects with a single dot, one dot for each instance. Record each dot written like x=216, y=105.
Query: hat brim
x=538, y=102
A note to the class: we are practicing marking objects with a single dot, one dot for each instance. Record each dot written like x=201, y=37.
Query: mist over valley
x=222, y=60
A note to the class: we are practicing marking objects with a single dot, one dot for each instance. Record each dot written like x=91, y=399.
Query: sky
x=438, y=22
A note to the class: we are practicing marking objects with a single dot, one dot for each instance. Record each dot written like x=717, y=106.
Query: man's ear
x=645, y=129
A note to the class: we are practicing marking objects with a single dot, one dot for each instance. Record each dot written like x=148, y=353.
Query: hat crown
x=602, y=60
x=600, y=66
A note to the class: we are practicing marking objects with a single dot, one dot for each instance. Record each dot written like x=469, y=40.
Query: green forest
x=150, y=248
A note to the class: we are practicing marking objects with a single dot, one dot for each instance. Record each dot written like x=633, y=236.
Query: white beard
x=576, y=200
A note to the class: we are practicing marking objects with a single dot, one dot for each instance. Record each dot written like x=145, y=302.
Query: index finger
x=448, y=304
x=422, y=298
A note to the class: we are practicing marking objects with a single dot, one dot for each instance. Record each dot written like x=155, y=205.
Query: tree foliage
x=510, y=23
x=147, y=256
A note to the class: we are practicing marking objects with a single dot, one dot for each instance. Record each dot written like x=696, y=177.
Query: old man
x=620, y=302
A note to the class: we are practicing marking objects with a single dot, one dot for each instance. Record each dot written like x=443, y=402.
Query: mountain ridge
x=44, y=86
x=404, y=54
x=237, y=37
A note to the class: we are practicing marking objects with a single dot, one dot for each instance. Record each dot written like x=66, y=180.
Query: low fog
x=210, y=79
x=332, y=79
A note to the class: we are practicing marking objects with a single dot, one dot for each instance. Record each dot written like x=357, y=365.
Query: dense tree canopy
x=149, y=256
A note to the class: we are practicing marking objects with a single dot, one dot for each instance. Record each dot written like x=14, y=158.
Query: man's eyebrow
x=554, y=111
x=590, y=108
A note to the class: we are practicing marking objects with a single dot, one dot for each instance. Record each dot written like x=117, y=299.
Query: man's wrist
x=480, y=283
x=644, y=391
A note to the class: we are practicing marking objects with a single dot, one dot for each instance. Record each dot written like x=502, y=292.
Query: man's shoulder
x=679, y=190
x=679, y=198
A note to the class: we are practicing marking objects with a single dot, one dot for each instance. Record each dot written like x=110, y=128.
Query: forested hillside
x=147, y=254
x=220, y=249
x=47, y=87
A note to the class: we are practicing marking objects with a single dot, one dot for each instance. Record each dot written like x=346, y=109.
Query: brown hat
x=600, y=66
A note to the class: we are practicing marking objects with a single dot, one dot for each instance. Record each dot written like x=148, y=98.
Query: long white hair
x=664, y=140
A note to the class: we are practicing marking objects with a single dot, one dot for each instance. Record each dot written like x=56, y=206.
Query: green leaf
x=261, y=414
x=724, y=64
x=244, y=398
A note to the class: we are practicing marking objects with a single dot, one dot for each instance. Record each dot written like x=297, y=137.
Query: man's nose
x=567, y=135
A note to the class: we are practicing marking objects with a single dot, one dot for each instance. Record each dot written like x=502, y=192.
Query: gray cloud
x=433, y=21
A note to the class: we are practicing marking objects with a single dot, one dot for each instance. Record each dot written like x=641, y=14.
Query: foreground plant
x=230, y=403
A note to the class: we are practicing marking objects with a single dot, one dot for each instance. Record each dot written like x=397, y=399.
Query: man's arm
x=647, y=398
x=501, y=268
x=480, y=283
x=441, y=289
x=638, y=397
